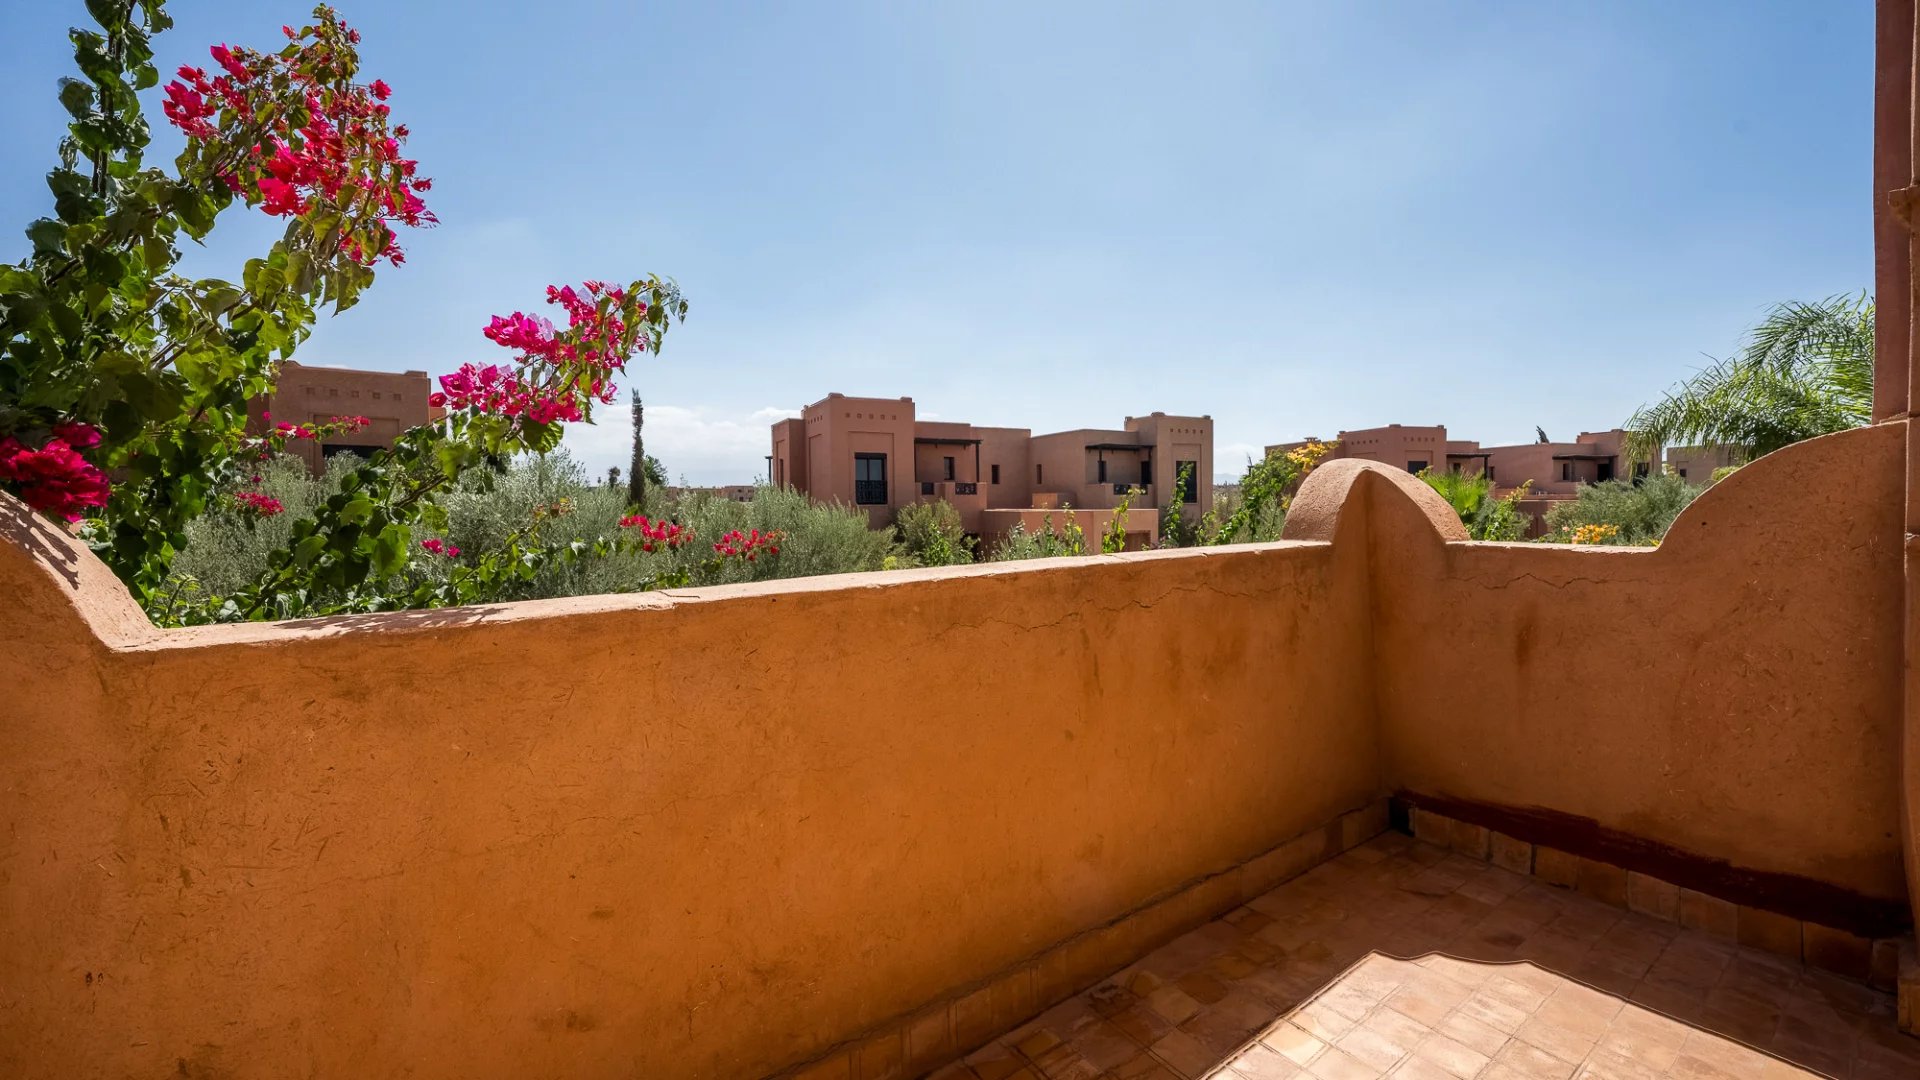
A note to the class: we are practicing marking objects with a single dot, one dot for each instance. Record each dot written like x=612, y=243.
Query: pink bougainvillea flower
x=327, y=156
x=76, y=434
x=440, y=547
x=54, y=479
x=279, y=198
x=225, y=58
x=657, y=534
x=520, y=331
x=260, y=505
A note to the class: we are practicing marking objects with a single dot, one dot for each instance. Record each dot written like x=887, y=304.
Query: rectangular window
x=1566, y=470
x=1683, y=474
x=1606, y=471
x=1416, y=466
x=1146, y=472
x=1039, y=473
x=1103, y=470
x=948, y=462
x=1189, y=474
x=996, y=474
x=870, y=479
x=1489, y=472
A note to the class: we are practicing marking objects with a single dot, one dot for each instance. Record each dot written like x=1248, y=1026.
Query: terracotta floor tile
x=1415, y=1068
x=1493, y=1012
x=1185, y=1054
x=1373, y=1048
x=1064, y=1064
x=1570, y=1046
x=1473, y=1033
x=1144, y=1067
x=1141, y=1024
x=1420, y=1004
x=1260, y=1062
x=1414, y=963
x=1454, y=1057
x=1605, y=1064
x=1532, y=1062
x=1337, y=1064
x=1293, y=1043
x=1172, y=1004
x=1105, y=1045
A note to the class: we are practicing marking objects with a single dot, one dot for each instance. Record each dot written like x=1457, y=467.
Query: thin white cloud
x=700, y=445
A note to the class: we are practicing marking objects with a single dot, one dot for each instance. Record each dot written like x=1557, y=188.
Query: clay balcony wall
x=691, y=835
x=966, y=496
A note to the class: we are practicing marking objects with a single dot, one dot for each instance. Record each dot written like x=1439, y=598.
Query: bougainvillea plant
x=124, y=385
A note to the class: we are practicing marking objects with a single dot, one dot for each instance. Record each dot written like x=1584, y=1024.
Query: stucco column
x=1895, y=135
x=1892, y=171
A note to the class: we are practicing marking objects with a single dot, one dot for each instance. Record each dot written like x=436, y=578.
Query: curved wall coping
x=67, y=570
x=47, y=561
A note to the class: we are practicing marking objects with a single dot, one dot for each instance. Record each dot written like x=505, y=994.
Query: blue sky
x=1292, y=217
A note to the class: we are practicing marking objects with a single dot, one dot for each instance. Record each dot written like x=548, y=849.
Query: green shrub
x=1487, y=516
x=931, y=535
x=1640, y=511
x=228, y=546
x=1047, y=543
x=821, y=538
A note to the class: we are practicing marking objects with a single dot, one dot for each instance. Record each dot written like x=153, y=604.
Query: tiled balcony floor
x=1506, y=978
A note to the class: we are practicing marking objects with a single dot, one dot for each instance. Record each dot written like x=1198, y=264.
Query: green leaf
x=76, y=97
x=356, y=511
x=390, y=549
x=47, y=236
x=308, y=550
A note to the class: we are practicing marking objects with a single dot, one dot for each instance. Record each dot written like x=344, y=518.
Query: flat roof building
x=1552, y=471
x=391, y=401
x=877, y=454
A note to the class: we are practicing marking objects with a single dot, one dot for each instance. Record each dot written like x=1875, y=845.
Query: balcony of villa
x=967, y=496
x=1371, y=801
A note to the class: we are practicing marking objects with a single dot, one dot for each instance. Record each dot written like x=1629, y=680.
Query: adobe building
x=875, y=453
x=740, y=493
x=1697, y=464
x=392, y=402
x=1553, y=472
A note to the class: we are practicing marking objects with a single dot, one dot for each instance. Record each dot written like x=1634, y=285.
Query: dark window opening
x=996, y=474
x=1189, y=474
x=1566, y=470
x=1606, y=471
x=1146, y=472
x=1683, y=474
x=1103, y=471
x=1416, y=466
x=948, y=462
x=1039, y=473
x=870, y=479
x=328, y=450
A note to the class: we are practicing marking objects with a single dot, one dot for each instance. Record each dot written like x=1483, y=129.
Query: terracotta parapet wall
x=1733, y=695
x=709, y=833
x=731, y=831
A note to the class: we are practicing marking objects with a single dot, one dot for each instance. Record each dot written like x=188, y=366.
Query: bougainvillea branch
x=125, y=387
